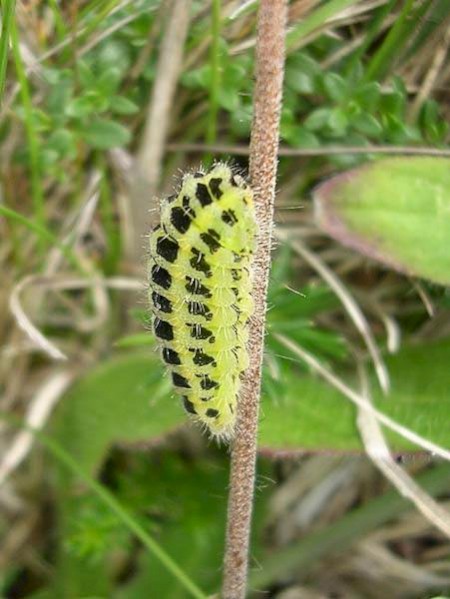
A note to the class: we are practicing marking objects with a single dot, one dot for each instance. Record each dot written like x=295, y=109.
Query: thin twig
x=151, y=151
x=323, y=151
x=270, y=51
x=38, y=413
x=64, y=283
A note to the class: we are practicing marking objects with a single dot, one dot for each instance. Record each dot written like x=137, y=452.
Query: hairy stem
x=270, y=51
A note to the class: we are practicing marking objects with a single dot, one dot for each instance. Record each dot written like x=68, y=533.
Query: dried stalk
x=270, y=50
x=151, y=151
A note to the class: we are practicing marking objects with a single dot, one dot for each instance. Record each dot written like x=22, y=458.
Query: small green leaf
x=393, y=103
x=368, y=95
x=335, y=87
x=197, y=78
x=318, y=119
x=394, y=210
x=366, y=123
x=122, y=105
x=241, y=121
x=63, y=142
x=108, y=81
x=299, y=137
x=229, y=98
x=81, y=106
x=338, y=122
x=48, y=157
x=104, y=134
x=114, y=53
x=85, y=74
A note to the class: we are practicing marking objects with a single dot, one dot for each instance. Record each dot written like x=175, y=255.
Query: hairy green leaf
x=394, y=210
x=126, y=398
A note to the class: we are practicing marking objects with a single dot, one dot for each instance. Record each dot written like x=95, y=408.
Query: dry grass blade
x=60, y=283
x=377, y=449
x=27, y=326
x=151, y=151
x=353, y=310
x=37, y=415
x=323, y=151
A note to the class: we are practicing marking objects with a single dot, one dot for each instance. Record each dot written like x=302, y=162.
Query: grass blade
x=8, y=7
x=32, y=135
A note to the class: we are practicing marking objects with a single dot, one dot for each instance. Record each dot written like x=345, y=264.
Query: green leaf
x=394, y=210
x=126, y=398
x=197, y=78
x=88, y=103
x=104, y=134
x=299, y=137
x=366, y=123
x=300, y=82
x=63, y=142
x=108, y=81
x=317, y=119
x=229, y=98
x=338, y=122
x=302, y=73
x=335, y=87
x=309, y=414
x=85, y=74
x=114, y=53
x=368, y=95
x=122, y=105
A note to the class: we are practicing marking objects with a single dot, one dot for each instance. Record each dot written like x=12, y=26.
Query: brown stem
x=263, y=167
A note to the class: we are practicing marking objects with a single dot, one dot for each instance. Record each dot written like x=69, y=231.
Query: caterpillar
x=200, y=275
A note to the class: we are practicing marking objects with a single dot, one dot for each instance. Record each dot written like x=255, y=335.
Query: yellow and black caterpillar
x=200, y=291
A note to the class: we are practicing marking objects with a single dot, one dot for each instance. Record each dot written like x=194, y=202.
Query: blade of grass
x=8, y=7
x=111, y=502
x=372, y=31
x=427, y=25
x=60, y=26
x=335, y=538
x=316, y=19
x=32, y=136
x=389, y=49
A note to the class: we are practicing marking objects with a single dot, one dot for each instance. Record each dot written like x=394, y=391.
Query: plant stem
x=8, y=7
x=214, y=88
x=270, y=51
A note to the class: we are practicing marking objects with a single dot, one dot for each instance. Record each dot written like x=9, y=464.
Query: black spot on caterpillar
x=163, y=329
x=167, y=248
x=161, y=277
x=161, y=303
x=170, y=356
